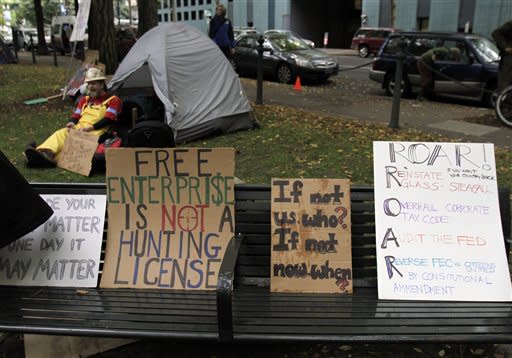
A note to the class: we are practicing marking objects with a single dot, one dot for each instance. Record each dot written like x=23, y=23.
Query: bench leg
x=42, y=346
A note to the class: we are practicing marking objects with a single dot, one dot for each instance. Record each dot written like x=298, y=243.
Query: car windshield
x=486, y=49
x=288, y=42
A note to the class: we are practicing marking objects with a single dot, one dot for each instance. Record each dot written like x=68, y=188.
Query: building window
x=159, y=17
x=166, y=17
x=201, y=14
x=178, y=3
x=208, y=2
x=185, y=15
x=200, y=2
x=193, y=15
x=165, y=4
x=179, y=16
x=185, y=2
x=192, y=2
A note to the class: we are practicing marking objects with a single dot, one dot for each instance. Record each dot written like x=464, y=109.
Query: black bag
x=151, y=134
x=23, y=209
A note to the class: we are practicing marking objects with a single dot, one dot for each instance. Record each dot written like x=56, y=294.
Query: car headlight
x=302, y=62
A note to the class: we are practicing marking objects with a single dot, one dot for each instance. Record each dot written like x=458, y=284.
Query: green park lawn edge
x=290, y=143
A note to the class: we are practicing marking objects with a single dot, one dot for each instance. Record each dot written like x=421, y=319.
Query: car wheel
x=405, y=88
x=284, y=73
x=490, y=97
x=364, y=51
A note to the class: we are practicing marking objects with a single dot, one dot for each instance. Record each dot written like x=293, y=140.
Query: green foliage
x=50, y=8
x=290, y=142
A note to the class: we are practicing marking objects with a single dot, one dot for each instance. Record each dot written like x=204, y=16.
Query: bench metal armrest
x=225, y=289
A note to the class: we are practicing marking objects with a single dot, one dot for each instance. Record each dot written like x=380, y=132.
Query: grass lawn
x=290, y=142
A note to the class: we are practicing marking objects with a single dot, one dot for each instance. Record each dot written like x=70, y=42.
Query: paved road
x=351, y=94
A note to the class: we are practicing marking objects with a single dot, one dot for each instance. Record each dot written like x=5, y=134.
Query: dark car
x=368, y=40
x=473, y=73
x=286, y=57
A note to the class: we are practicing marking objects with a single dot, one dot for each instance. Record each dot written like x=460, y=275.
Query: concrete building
x=477, y=16
x=312, y=20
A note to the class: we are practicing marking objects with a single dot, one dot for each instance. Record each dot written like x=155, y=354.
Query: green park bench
x=243, y=308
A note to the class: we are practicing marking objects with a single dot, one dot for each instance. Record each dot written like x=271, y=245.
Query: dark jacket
x=503, y=36
x=221, y=32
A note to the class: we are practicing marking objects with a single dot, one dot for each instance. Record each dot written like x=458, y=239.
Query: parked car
x=473, y=74
x=368, y=40
x=32, y=32
x=239, y=31
x=274, y=31
x=62, y=28
x=285, y=58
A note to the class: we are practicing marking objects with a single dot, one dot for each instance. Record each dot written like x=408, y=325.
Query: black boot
x=39, y=158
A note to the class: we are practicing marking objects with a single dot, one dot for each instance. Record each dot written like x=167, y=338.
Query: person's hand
x=232, y=51
x=508, y=50
x=70, y=125
x=87, y=129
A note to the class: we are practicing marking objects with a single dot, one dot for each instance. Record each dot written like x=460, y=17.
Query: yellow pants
x=90, y=115
x=56, y=141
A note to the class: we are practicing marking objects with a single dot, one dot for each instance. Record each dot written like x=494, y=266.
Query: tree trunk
x=101, y=32
x=148, y=15
x=42, y=48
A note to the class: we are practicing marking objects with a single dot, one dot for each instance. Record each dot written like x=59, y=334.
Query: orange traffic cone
x=297, y=86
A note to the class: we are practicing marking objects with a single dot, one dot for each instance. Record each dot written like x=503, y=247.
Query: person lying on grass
x=95, y=113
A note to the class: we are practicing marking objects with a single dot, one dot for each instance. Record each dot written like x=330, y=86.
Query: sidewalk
x=338, y=51
x=460, y=121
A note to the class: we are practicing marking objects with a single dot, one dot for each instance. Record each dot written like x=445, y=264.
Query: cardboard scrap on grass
x=78, y=152
x=311, y=236
x=64, y=251
x=438, y=226
x=171, y=216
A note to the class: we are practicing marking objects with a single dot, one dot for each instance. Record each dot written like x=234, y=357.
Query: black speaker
x=151, y=134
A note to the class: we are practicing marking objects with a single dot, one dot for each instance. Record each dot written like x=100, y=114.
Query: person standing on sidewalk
x=221, y=32
x=503, y=37
x=425, y=65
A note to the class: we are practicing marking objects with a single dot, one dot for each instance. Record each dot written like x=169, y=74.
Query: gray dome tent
x=201, y=93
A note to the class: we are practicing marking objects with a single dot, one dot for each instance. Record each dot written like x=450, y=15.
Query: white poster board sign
x=64, y=251
x=438, y=225
x=82, y=17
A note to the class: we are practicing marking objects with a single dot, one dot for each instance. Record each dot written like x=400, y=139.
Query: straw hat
x=94, y=74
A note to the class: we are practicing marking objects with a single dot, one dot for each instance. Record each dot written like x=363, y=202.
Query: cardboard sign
x=438, y=226
x=311, y=236
x=171, y=216
x=64, y=251
x=78, y=151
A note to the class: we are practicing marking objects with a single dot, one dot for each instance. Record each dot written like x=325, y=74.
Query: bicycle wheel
x=504, y=106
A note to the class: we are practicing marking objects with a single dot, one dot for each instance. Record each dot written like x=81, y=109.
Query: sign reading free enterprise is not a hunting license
x=64, y=251
x=171, y=216
x=438, y=227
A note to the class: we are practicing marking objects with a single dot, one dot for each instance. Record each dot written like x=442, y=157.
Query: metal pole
x=397, y=90
x=259, y=88
x=55, y=58
x=118, y=9
x=130, y=11
x=395, y=109
x=32, y=49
